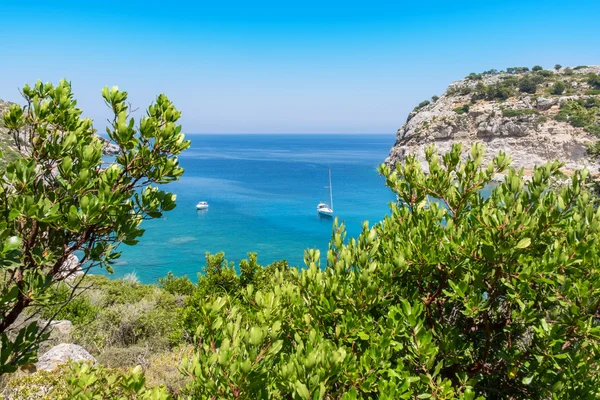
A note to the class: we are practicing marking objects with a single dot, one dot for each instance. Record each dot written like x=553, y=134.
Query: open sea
x=263, y=191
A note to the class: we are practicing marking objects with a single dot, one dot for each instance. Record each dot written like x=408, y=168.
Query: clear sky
x=284, y=66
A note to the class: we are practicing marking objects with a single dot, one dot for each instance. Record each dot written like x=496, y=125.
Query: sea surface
x=263, y=191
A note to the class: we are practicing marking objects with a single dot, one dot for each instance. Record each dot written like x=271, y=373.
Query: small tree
x=527, y=85
x=60, y=198
x=435, y=98
x=557, y=67
x=558, y=87
x=537, y=68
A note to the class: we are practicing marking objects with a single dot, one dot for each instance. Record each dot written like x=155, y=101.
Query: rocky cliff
x=535, y=116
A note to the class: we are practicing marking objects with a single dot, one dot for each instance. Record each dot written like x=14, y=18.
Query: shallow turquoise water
x=263, y=191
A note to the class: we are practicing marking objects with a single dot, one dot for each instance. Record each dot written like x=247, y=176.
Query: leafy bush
x=594, y=80
x=568, y=71
x=462, y=109
x=434, y=98
x=557, y=67
x=558, y=87
x=474, y=77
x=176, y=285
x=581, y=113
x=545, y=73
x=421, y=105
x=528, y=85
x=519, y=113
x=537, y=68
x=451, y=296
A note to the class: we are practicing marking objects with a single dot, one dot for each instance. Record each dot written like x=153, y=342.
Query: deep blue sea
x=263, y=191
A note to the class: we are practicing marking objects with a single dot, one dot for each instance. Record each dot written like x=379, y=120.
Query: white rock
x=61, y=354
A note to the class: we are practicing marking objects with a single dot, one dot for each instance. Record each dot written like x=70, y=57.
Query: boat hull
x=327, y=212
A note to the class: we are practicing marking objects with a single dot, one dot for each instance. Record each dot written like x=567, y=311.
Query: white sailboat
x=324, y=208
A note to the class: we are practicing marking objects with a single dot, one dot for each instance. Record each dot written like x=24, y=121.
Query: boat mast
x=330, y=191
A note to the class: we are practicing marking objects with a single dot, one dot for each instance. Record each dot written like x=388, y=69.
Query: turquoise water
x=263, y=191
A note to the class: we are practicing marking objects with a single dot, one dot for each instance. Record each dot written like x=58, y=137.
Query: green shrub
x=594, y=80
x=527, y=84
x=537, y=68
x=462, y=109
x=558, y=87
x=519, y=113
x=582, y=114
x=593, y=92
x=434, y=98
x=452, y=296
x=580, y=67
x=568, y=71
x=421, y=105
x=176, y=285
x=474, y=77
x=546, y=73
x=557, y=67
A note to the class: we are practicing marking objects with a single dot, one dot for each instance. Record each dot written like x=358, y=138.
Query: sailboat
x=324, y=208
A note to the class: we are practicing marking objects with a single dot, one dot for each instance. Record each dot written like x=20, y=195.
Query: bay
x=263, y=191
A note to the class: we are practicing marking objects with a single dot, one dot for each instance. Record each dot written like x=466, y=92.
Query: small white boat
x=203, y=205
x=324, y=208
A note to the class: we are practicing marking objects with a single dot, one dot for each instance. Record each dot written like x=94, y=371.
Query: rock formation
x=61, y=354
x=523, y=114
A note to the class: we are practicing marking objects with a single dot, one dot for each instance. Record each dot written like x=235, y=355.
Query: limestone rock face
x=522, y=126
x=61, y=354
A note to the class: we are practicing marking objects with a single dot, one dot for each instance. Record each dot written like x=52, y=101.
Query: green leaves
x=453, y=295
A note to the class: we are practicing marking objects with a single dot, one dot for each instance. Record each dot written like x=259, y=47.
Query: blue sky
x=284, y=67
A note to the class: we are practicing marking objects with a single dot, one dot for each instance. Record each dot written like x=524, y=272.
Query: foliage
x=519, y=113
x=568, y=71
x=176, y=285
x=581, y=113
x=87, y=382
x=80, y=381
x=594, y=80
x=527, y=85
x=474, y=77
x=558, y=87
x=421, y=105
x=537, y=68
x=546, y=73
x=58, y=200
x=435, y=98
x=557, y=67
x=517, y=70
x=463, y=109
x=452, y=296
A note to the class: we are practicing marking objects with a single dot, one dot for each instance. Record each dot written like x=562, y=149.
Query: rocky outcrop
x=61, y=354
x=70, y=268
x=522, y=125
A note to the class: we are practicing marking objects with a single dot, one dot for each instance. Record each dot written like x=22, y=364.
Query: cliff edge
x=533, y=115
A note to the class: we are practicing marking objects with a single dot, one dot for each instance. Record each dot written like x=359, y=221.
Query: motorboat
x=203, y=205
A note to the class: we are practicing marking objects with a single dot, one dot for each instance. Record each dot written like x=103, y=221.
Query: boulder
x=61, y=354
x=70, y=268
